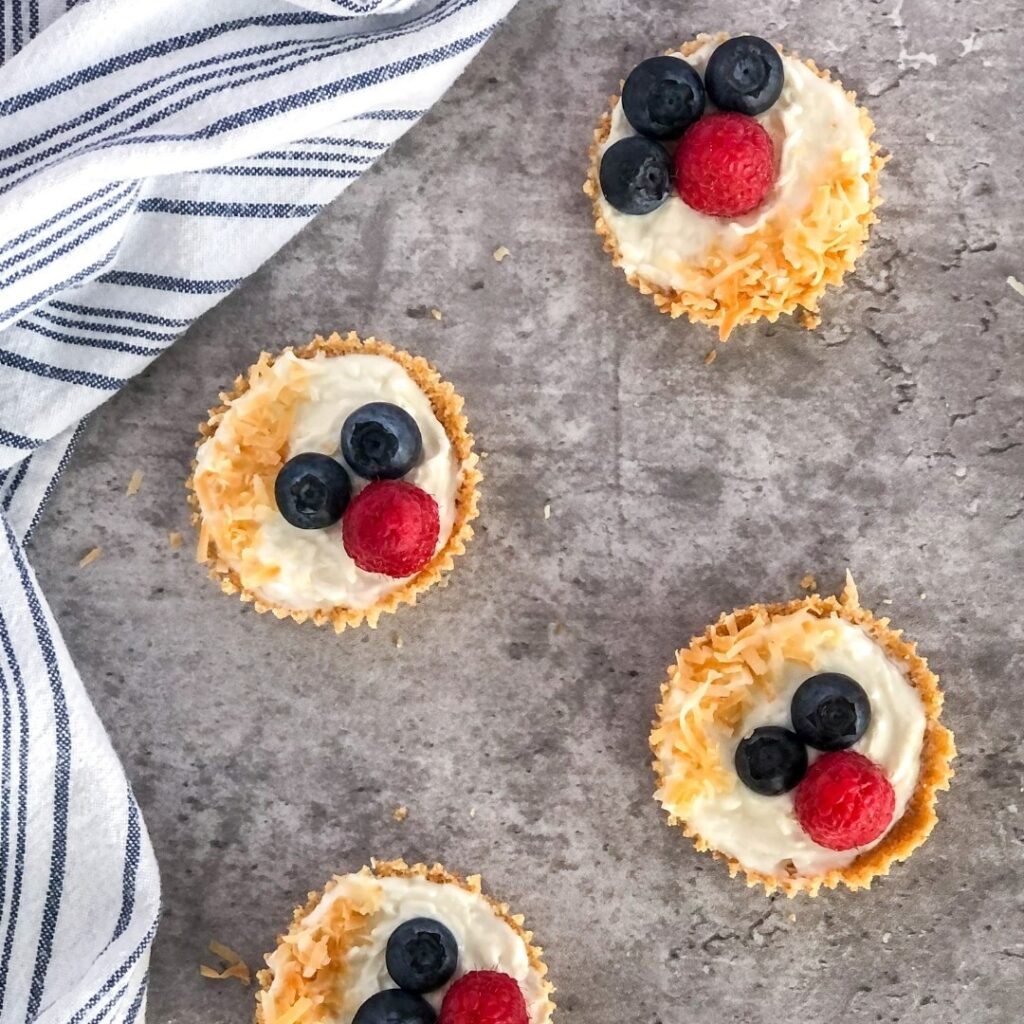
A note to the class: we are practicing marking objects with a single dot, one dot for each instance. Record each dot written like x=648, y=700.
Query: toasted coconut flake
x=236, y=967
x=89, y=557
x=809, y=582
x=500, y=253
x=729, y=658
x=135, y=484
x=786, y=265
x=225, y=953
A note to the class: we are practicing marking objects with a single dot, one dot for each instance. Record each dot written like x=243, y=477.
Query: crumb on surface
x=135, y=484
x=547, y=510
x=711, y=357
x=558, y=628
x=174, y=539
x=792, y=918
x=400, y=813
x=886, y=936
x=922, y=595
x=809, y=582
x=500, y=253
x=436, y=314
x=1015, y=285
x=886, y=600
x=810, y=320
x=398, y=640
x=235, y=967
x=89, y=557
x=483, y=455
x=472, y=812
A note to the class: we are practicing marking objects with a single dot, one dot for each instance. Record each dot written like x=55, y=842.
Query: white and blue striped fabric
x=152, y=154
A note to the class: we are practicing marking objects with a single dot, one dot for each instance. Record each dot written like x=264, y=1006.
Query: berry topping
x=725, y=165
x=771, y=760
x=484, y=997
x=830, y=711
x=391, y=527
x=422, y=955
x=393, y=1006
x=312, y=491
x=636, y=174
x=381, y=441
x=844, y=801
x=745, y=74
x=662, y=97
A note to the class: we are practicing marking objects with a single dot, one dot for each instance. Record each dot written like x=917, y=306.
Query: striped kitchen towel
x=152, y=154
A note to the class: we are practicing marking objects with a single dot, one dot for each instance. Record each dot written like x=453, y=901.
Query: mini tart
x=308, y=970
x=259, y=454
x=786, y=264
x=687, y=760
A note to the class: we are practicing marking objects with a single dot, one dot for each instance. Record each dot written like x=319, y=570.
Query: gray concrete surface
x=267, y=756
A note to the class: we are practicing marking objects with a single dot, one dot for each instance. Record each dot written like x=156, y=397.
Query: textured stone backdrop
x=267, y=756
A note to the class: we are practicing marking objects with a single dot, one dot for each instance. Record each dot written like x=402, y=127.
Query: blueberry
x=830, y=711
x=381, y=441
x=636, y=174
x=771, y=760
x=745, y=74
x=422, y=955
x=393, y=1006
x=312, y=491
x=662, y=97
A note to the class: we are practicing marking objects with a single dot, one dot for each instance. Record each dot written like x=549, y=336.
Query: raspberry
x=391, y=527
x=844, y=801
x=725, y=165
x=484, y=997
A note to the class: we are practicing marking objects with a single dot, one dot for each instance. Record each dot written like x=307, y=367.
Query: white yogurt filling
x=762, y=832
x=812, y=125
x=315, y=570
x=486, y=942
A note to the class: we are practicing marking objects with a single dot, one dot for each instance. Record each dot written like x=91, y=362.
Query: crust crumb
x=810, y=320
x=135, y=484
x=89, y=557
x=809, y=582
x=400, y=813
x=174, y=539
x=436, y=314
x=500, y=253
x=711, y=357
